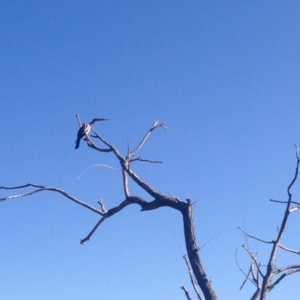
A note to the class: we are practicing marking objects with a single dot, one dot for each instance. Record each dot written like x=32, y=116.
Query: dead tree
x=265, y=279
x=158, y=200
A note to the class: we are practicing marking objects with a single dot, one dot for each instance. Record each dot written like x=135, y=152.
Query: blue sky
x=223, y=76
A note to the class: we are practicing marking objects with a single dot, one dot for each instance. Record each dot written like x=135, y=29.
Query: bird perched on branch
x=84, y=129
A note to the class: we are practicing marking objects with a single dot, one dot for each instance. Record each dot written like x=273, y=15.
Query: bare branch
x=146, y=160
x=290, y=268
x=109, y=213
x=101, y=203
x=254, y=237
x=291, y=210
x=175, y=198
x=150, y=190
x=128, y=201
x=111, y=147
x=266, y=284
x=254, y=260
x=192, y=277
x=295, y=177
x=83, y=241
x=289, y=250
x=186, y=293
x=125, y=182
x=146, y=187
x=279, y=201
x=256, y=294
x=91, y=144
x=78, y=119
x=246, y=275
x=41, y=188
x=154, y=126
x=282, y=277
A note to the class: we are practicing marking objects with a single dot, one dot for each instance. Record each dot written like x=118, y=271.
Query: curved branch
x=290, y=268
x=254, y=261
x=282, y=277
x=186, y=293
x=41, y=188
x=246, y=275
x=192, y=277
x=146, y=160
x=154, y=126
x=254, y=237
x=289, y=250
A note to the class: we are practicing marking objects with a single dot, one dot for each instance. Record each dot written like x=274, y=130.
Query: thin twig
x=78, y=119
x=41, y=188
x=288, y=249
x=254, y=260
x=278, y=201
x=186, y=293
x=154, y=126
x=192, y=277
x=254, y=237
x=246, y=275
x=146, y=160
x=101, y=203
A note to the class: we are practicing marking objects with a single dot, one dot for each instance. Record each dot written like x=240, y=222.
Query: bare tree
x=264, y=282
x=158, y=200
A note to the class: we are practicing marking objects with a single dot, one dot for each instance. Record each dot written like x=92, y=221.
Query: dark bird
x=84, y=129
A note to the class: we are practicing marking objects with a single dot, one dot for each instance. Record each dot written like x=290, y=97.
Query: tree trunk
x=192, y=251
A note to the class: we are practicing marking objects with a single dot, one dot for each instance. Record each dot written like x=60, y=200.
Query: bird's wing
x=96, y=120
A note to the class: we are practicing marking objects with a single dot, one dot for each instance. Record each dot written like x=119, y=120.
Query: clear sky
x=223, y=76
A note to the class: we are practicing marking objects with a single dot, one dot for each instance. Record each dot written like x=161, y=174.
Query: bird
x=84, y=129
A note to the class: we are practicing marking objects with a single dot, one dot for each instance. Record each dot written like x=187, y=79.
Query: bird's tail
x=77, y=144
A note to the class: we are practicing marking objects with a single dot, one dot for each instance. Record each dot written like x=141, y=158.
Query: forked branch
x=271, y=271
x=157, y=200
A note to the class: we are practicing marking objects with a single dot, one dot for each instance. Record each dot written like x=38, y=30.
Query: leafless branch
x=41, y=188
x=125, y=183
x=254, y=237
x=146, y=187
x=78, y=119
x=284, y=202
x=128, y=147
x=154, y=126
x=110, y=146
x=146, y=160
x=267, y=279
x=192, y=277
x=278, y=201
x=290, y=268
x=256, y=294
x=83, y=241
x=150, y=190
x=109, y=213
x=254, y=260
x=288, y=249
x=246, y=275
x=91, y=144
x=175, y=198
x=283, y=276
x=102, y=206
x=186, y=293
